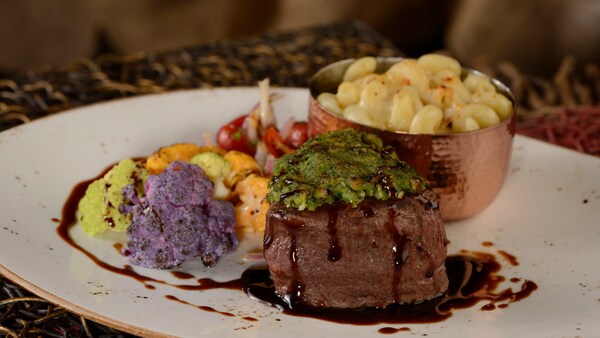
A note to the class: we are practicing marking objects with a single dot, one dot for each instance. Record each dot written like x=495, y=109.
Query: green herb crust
x=341, y=166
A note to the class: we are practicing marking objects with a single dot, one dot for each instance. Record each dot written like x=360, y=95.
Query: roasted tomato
x=232, y=137
x=298, y=134
x=275, y=143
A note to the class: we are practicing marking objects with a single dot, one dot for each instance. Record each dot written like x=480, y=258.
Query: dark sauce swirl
x=473, y=279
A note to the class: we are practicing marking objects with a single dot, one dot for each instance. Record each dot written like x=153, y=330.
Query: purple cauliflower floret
x=219, y=234
x=177, y=219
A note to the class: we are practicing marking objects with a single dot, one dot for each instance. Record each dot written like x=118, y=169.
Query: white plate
x=547, y=214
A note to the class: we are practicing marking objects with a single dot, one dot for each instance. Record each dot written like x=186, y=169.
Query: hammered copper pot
x=466, y=170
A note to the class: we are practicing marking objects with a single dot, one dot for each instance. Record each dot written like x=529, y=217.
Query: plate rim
x=79, y=310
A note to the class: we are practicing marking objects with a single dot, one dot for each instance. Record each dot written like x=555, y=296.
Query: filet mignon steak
x=373, y=255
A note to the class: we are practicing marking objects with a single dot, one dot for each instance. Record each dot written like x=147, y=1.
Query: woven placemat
x=563, y=110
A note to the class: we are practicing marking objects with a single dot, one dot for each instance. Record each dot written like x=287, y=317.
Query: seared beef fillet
x=378, y=253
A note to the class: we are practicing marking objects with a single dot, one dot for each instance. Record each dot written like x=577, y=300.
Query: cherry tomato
x=232, y=137
x=298, y=134
x=275, y=143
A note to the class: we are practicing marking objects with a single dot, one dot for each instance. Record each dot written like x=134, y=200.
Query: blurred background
x=534, y=35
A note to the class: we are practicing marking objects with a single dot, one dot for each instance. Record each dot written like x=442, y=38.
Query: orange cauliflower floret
x=160, y=159
x=251, y=211
x=242, y=165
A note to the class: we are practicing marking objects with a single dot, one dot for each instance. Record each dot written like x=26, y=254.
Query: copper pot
x=466, y=170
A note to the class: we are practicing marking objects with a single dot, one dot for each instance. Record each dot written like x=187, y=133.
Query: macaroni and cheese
x=424, y=95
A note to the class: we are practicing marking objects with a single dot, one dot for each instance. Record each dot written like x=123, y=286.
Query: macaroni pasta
x=424, y=95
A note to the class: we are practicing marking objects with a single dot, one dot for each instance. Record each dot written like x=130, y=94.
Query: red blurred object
x=232, y=137
x=577, y=128
x=298, y=134
x=275, y=144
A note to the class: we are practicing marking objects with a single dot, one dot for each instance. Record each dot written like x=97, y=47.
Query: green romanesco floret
x=99, y=208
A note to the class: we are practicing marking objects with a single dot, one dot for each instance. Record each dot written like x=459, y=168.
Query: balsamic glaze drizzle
x=473, y=278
